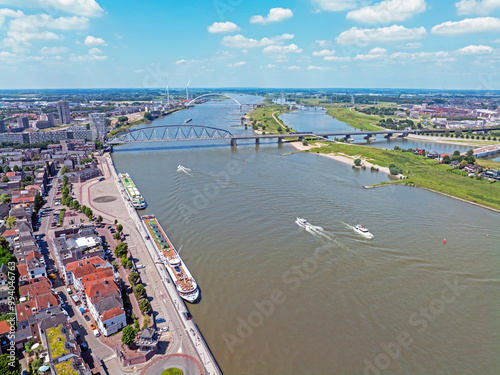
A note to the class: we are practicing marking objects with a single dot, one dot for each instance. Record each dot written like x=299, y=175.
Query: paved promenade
x=108, y=199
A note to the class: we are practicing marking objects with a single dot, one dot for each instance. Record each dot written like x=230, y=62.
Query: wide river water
x=277, y=299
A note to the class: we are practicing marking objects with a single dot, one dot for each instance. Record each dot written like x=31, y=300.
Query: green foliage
x=7, y=169
x=62, y=212
x=99, y=219
x=137, y=326
x=121, y=249
x=98, y=144
x=146, y=321
x=64, y=170
x=128, y=335
x=38, y=202
x=10, y=221
x=139, y=290
x=117, y=236
x=130, y=264
x=357, y=162
x=148, y=116
x=5, y=367
x=122, y=118
x=144, y=305
x=133, y=277
x=124, y=261
x=119, y=228
x=5, y=179
x=5, y=198
x=172, y=371
x=16, y=168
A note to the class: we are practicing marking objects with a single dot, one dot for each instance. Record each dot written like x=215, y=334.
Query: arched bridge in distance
x=240, y=105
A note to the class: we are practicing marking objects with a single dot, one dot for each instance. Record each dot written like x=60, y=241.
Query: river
x=277, y=299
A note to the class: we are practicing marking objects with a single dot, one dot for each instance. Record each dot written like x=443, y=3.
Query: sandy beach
x=452, y=141
x=346, y=159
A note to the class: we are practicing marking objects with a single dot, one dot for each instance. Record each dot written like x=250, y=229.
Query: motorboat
x=302, y=223
x=363, y=231
x=180, y=168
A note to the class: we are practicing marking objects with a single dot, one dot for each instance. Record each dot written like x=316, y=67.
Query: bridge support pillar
x=348, y=139
x=280, y=140
x=233, y=142
x=369, y=138
x=388, y=136
x=257, y=141
x=301, y=139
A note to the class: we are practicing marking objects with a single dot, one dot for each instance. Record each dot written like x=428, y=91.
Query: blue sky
x=231, y=43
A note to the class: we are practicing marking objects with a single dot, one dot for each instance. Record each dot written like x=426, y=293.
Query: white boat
x=302, y=223
x=363, y=231
x=180, y=168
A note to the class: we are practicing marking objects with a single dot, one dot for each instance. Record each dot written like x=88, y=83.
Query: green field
x=262, y=117
x=426, y=173
x=355, y=119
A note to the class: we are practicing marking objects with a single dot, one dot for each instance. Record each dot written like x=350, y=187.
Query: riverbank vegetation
x=354, y=119
x=423, y=172
x=264, y=118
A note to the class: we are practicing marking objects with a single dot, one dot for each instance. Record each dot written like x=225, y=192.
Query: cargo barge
x=134, y=195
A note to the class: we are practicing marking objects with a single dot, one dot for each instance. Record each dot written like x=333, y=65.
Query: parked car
x=87, y=318
x=84, y=346
x=96, y=332
x=92, y=326
x=160, y=320
x=77, y=334
x=187, y=315
x=69, y=290
x=138, y=266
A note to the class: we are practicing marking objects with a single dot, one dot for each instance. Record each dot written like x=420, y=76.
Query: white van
x=96, y=332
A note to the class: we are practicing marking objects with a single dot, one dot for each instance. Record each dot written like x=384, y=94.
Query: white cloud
x=239, y=41
x=440, y=56
x=139, y=71
x=324, y=52
x=88, y=8
x=392, y=33
x=474, y=50
x=235, y=65
x=95, y=51
x=11, y=13
x=275, y=15
x=377, y=50
x=323, y=43
x=87, y=58
x=92, y=41
x=292, y=48
x=312, y=67
x=388, y=11
x=413, y=45
x=271, y=66
x=477, y=7
x=468, y=26
x=336, y=58
x=53, y=50
x=293, y=67
x=335, y=5
x=369, y=56
x=4, y=55
x=223, y=27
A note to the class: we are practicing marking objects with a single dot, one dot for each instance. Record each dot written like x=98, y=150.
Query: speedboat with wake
x=363, y=231
x=180, y=168
x=302, y=223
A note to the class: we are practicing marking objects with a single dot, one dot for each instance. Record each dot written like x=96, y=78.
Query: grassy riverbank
x=425, y=173
x=265, y=119
x=355, y=119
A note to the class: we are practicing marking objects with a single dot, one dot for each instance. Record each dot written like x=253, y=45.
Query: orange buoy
x=486, y=235
x=444, y=241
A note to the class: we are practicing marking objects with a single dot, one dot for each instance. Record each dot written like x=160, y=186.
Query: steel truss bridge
x=170, y=133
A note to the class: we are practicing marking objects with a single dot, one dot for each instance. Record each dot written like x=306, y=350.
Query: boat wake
x=180, y=168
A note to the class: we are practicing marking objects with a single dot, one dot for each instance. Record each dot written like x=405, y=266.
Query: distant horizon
x=104, y=44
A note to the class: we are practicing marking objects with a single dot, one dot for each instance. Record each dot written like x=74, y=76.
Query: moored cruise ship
x=135, y=196
x=185, y=283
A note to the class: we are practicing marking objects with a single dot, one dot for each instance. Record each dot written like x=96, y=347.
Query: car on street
x=140, y=266
x=160, y=320
x=87, y=318
x=84, y=346
x=69, y=290
x=108, y=227
x=96, y=332
x=92, y=326
x=187, y=315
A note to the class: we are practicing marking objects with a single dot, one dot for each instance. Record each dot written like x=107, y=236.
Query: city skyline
x=304, y=44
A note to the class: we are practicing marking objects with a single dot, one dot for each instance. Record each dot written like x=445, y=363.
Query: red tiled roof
x=4, y=327
x=99, y=287
x=23, y=200
x=10, y=174
x=10, y=232
x=94, y=260
x=23, y=310
x=35, y=285
x=44, y=301
x=100, y=274
x=112, y=313
x=23, y=271
x=33, y=254
x=33, y=187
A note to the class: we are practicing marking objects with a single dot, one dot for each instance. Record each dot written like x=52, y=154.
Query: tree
x=5, y=198
x=357, y=162
x=446, y=159
x=148, y=116
x=117, y=236
x=7, y=169
x=144, y=305
x=65, y=180
x=463, y=163
x=456, y=153
x=99, y=219
x=133, y=277
x=38, y=202
x=121, y=249
x=119, y=228
x=5, y=179
x=116, y=221
x=128, y=335
x=122, y=118
x=10, y=221
x=139, y=290
x=76, y=205
x=47, y=166
x=458, y=133
x=16, y=168
x=146, y=322
x=64, y=169
x=5, y=365
x=124, y=260
x=130, y=264
x=98, y=144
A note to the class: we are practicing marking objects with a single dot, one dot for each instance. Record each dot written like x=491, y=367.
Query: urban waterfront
x=276, y=298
